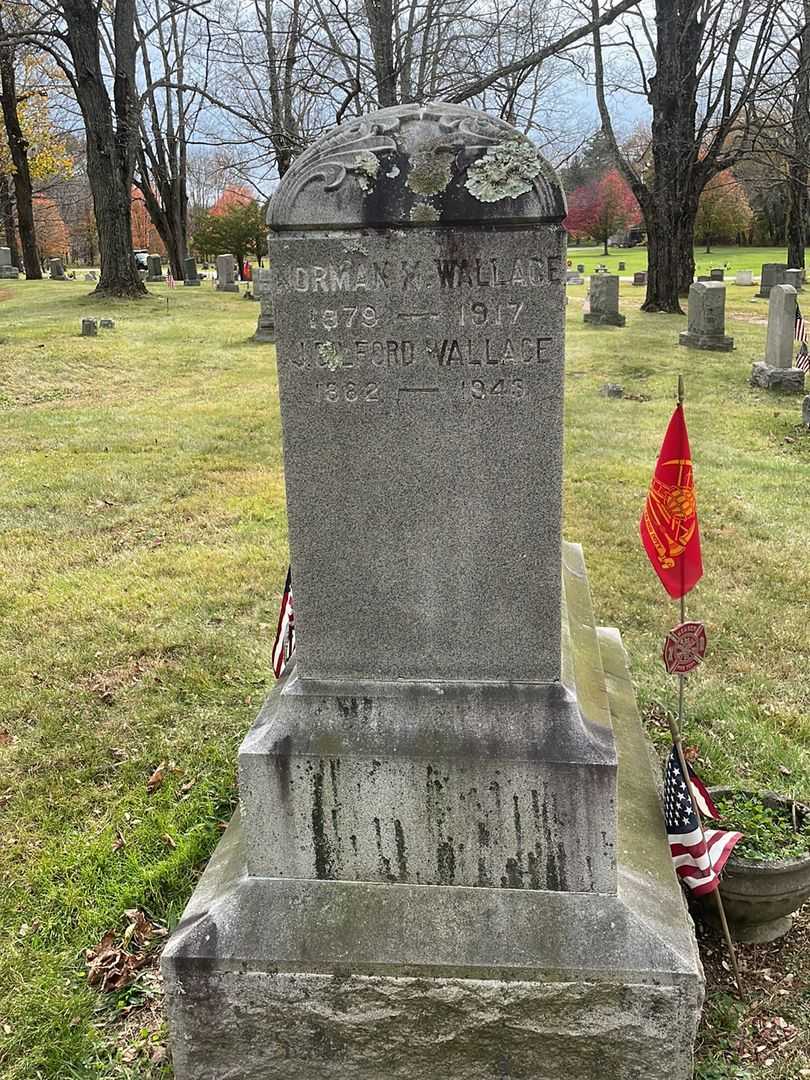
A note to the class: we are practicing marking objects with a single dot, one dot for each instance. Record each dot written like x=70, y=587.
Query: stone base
x=267, y=336
x=789, y=380
x=10, y=273
x=296, y=979
x=600, y=319
x=709, y=344
x=190, y=283
x=228, y=287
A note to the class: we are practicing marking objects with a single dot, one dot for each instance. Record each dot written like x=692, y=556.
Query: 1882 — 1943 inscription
x=421, y=370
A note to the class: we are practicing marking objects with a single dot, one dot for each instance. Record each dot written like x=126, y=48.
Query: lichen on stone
x=431, y=170
x=424, y=212
x=330, y=356
x=505, y=171
x=366, y=167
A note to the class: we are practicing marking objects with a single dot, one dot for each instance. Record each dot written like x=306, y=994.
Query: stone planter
x=760, y=896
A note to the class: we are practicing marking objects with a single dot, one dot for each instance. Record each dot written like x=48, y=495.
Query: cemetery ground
x=142, y=552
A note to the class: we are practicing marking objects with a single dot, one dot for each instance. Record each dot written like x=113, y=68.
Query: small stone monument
x=776, y=371
x=640, y=277
x=190, y=275
x=57, y=270
x=580, y=268
x=771, y=274
x=717, y=273
x=706, y=328
x=89, y=327
x=154, y=268
x=225, y=280
x=573, y=278
x=7, y=271
x=744, y=277
x=806, y=411
x=262, y=282
x=622, y=267
x=604, y=301
x=794, y=277
x=107, y=324
x=450, y=858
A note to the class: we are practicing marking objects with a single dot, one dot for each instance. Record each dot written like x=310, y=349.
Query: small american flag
x=800, y=335
x=170, y=280
x=284, y=645
x=699, y=855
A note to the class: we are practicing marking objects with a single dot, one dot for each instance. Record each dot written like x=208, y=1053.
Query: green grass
x=142, y=552
x=733, y=258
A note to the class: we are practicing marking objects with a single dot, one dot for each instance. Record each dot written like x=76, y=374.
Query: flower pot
x=759, y=896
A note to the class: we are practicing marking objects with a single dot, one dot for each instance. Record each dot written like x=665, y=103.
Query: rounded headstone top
x=418, y=165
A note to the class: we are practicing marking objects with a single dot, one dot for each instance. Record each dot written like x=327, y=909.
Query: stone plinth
x=604, y=301
x=790, y=380
x=154, y=268
x=89, y=327
x=717, y=273
x=265, y=328
x=190, y=274
x=7, y=271
x=287, y=979
x=225, y=274
x=770, y=275
x=744, y=277
x=640, y=277
x=781, y=326
x=57, y=270
x=707, y=318
x=794, y=277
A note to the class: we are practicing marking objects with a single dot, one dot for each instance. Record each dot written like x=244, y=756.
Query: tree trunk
x=7, y=213
x=799, y=168
x=606, y=246
x=110, y=148
x=18, y=147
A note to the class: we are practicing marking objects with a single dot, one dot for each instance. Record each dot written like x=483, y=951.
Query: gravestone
x=580, y=268
x=704, y=277
x=89, y=328
x=794, y=277
x=706, y=327
x=154, y=268
x=771, y=274
x=265, y=329
x=604, y=301
x=622, y=266
x=450, y=859
x=744, y=277
x=190, y=275
x=640, y=277
x=806, y=411
x=57, y=270
x=717, y=273
x=573, y=278
x=225, y=279
x=776, y=371
x=7, y=271
x=107, y=324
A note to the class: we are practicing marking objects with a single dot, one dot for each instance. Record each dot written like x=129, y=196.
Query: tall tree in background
x=602, y=208
x=799, y=158
x=709, y=61
x=723, y=211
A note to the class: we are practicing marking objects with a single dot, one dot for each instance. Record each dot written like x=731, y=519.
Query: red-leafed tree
x=53, y=239
x=233, y=196
x=602, y=208
x=145, y=236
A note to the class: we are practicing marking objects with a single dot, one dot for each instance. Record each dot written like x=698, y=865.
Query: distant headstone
x=704, y=277
x=57, y=270
x=107, y=324
x=706, y=328
x=612, y=390
x=225, y=279
x=604, y=301
x=771, y=274
x=640, y=277
x=89, y=327
x=573, y=278
x=190, y=275
x=262, y=281
x=717, y=274
x=7, y=271
x=776, y=371
x=154, y=268
x=265, y=329
x=622, y=266
x=795, y=277
x=90, y=276
x=580, y=268
x=744, y=277
x=806, y=411
x=436, y=871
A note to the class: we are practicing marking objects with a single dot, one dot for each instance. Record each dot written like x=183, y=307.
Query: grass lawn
x=733, y=258
x=142, y=553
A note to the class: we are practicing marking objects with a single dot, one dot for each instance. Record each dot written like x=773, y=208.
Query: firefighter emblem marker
x=684, y=648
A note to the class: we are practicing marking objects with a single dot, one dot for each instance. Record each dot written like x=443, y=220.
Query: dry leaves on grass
x=114, y=965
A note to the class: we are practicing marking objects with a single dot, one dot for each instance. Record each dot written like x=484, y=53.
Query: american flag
x=699, y=855
x=800, y=335
x=170, y=279
x=284, y=645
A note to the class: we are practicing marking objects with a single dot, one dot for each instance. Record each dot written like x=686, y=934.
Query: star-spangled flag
x=699, y=855
x=800, y=335
x=284, y=645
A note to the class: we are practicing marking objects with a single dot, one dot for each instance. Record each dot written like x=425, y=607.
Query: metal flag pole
x=675, y=727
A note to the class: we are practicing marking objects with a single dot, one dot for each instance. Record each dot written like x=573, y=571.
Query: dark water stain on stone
x=324, y=867
x=446, y=860
x=536, y=810
x=562, y=863
x=484, y=879
x=514, y=874
x=281, y=762
x=483, y=834
x=385, y=864
x=348, y=708
x=402, y=863
x=495, y=788
x=353, y=842
x=532, y=858
x=334, y=769
x=518, y=829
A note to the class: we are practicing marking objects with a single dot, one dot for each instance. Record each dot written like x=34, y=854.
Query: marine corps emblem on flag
x=669, y=526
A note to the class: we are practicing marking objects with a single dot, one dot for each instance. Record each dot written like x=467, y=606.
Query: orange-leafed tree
x=602, y=208
x=145, y=236
x=53, y=239
x=723, y=211
x=232, y=197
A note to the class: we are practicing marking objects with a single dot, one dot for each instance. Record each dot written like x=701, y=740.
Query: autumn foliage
x=723, y=212
x=602, y=208
x=53, y=239
x=145, y=236
x=232, y=197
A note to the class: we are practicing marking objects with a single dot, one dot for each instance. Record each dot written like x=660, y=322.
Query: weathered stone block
x=107, y=324
x=707, y=318
x=806, y=411
x=770, y=275
x=190, y=275
x=744, y=277
x=225, y=274
x=789, y=380
x=604, y=301
x=89, y=327
x=781, y=326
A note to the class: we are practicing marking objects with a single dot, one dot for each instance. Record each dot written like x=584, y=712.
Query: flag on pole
x=669, y=525
x=699, y=856
x=800, y=335
x=284, y=645
x=170, y=279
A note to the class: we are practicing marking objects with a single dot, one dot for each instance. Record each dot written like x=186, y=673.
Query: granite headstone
x=190, y=275
x=225, y=274
x=777, y=371
x=770, y=275
x=604, y=301
x=57, y=270
x=154, y=268
x=706, y=328
x=640, y=277
x=744, y=277
x=7, y=271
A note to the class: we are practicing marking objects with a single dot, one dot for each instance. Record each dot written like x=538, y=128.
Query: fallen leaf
x=5, y=737
x=184, y=789
x=119, y=842
x=157, y=778
x=169, y=841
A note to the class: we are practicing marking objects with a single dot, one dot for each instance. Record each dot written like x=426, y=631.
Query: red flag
x=669, y=525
